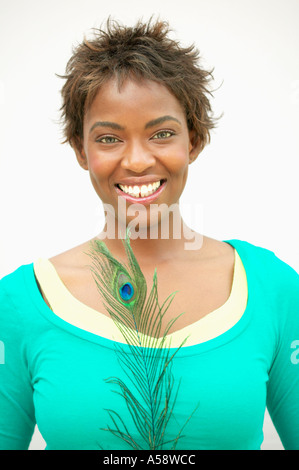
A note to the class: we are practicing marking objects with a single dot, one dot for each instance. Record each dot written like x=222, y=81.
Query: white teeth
x=140, y=191
x=144, y=191
x=136, y=191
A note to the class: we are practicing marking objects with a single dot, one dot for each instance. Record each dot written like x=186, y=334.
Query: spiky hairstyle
x=144, y=51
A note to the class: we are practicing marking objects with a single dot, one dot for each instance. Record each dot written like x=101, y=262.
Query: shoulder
x=272, y=273
x=15, y=307
x=73, y=266
x=22, y=322
x=73, y=258
x=260, y=256
x=16, y=289
x=213, y=251
x=15, y=281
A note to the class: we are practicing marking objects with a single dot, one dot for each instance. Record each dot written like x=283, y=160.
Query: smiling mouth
x=141, y=191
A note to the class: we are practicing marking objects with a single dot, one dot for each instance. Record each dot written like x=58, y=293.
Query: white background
x=245, y=181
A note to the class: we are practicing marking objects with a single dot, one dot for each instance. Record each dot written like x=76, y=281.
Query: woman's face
x=136, y=145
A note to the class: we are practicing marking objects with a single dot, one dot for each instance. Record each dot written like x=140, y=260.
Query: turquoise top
x=53, y=373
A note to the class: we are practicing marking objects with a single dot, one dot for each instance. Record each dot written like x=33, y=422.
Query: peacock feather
x=150, y=390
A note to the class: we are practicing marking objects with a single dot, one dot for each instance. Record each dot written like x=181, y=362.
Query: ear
x=194, y=146
x=80, y=154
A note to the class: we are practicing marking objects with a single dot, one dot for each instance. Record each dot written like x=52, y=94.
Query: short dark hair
x=143, y=51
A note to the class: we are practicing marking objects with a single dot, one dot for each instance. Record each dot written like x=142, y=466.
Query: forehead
x=143, y=97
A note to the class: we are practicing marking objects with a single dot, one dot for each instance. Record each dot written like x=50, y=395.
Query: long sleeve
x=17, y=419
x=283, y=386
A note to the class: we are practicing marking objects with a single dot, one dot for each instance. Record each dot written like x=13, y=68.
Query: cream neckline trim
x=71, y=310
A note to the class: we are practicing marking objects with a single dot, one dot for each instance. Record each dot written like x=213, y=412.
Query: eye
x=163, y=135
x=107, y=139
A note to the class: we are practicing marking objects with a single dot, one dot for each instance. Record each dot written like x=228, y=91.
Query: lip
x=142, y=200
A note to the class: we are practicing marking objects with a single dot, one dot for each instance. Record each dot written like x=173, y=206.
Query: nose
x=137, y=158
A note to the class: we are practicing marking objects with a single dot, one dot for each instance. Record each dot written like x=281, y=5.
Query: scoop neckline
x=212, y=343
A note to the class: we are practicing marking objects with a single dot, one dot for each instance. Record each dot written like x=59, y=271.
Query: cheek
x=99, y=173
x=99, y=168
x=177, y=161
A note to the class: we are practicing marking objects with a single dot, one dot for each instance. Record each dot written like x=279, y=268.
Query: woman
x=136, y=113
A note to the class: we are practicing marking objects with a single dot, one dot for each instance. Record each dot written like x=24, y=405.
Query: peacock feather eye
x=126, y=289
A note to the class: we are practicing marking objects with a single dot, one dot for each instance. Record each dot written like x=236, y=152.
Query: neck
x=167, y=240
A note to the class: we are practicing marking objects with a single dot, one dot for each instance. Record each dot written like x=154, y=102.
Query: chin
x=158, y=224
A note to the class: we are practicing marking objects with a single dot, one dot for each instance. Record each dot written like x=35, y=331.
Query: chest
x=198, y=290
x=72, y=395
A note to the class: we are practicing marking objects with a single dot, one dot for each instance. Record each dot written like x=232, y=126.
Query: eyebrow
x=160, y=120
x=112, y=125
x=118, y=127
